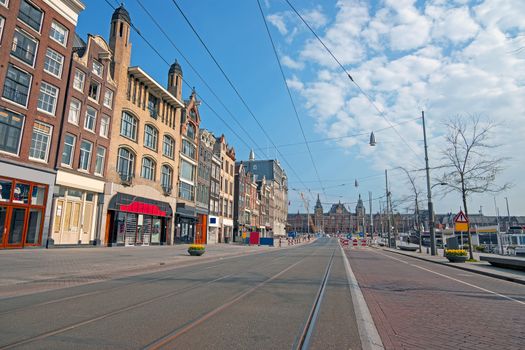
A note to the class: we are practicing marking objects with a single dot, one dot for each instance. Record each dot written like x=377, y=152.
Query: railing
x=166, y=189
x=126, y=178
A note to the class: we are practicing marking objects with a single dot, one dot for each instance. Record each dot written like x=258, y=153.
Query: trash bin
x=226, y=239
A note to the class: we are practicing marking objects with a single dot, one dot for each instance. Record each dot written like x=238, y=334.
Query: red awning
x=142, y=208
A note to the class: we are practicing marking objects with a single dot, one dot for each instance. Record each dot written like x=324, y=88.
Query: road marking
x=370, y=339
x=455, y=279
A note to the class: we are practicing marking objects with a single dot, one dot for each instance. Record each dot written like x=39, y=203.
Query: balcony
x=166, y=189
x=126, y=179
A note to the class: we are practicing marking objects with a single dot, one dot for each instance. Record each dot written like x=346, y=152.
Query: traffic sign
x=349, y=236
x=460, y=222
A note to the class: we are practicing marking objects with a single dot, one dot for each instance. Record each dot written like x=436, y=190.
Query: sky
x=450, y=58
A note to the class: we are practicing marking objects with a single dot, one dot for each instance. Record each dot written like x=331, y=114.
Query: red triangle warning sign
x=461, y=217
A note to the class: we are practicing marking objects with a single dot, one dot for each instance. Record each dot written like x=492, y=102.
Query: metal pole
x=508, y=214
x=429, y=193
x=371, y=217
x=388, y=210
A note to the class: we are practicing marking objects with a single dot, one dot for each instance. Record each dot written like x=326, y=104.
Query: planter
x=196, y=252
x=456, y=258
x=408, y=248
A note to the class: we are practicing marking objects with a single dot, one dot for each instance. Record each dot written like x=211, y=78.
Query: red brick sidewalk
x=414, y=308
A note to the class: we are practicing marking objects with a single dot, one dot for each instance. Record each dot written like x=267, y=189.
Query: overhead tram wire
x=236, y=91
x=184, y=80
x=213, y=110
x=351, y=78
x=291, y=98
x=200, y=76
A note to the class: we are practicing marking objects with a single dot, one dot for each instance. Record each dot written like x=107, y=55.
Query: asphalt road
x=421, y=305
x=262, y=301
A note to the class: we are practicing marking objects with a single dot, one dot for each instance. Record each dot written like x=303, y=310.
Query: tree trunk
x=470, y=251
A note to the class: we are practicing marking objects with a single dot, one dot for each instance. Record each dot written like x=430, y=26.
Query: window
x=150, y=137
x=190, y=131
x=30, y=15
x=186, y=191
x=148, y=168
x=47, y=100
x=187, y=170
x=11, y=125
x=168, y=145
x=94, y=90
x=40, y=141
x=128, y=126
x=4, y=3
x=85, y=155
x=152, y=105
x=91, y=119
x=99, y=162
x=69, y=150
x=58, y=33
x=78, y=81
x=166, y=176
x=125, y=163
x=53, y=63
x=74, y=111
x=188, y=149
x=98, y=68
x=2, y=23
x=108, y=99
x=16, y=86
x=24, y=47
x=104, y=126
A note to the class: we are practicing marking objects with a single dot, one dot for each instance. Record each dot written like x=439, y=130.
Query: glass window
x=40, y=141
x=53, y=63
x=166, y=176
x=187, y=170
x=153, y=105
x=37, y=197
x=108, y=98
x=188, y=149
x=5, y=190
x=74, y=111
x=150, y=137
x=91, y=119
x=190, y=131
x=94, y=90
x=33, y=226
x=4, y=3
x=128, y=126
x=168, y=145
x=125, y=162
x=30, y=15
x=85, y=155
x=104, y=126
x=2, y=24
x=47, y=100
x=186, y=191
x=16, y=85
x=24, y=47
x=78, y=80
x=69, y=149
x=148, y=169
x=99, y=162
x=21, y=193
x=59, y=33
x=11, y=125
x=98, y=68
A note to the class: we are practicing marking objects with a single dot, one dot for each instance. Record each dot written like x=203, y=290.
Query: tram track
x=128, y=308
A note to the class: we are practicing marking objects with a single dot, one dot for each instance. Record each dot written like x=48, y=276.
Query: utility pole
x=508, y=214
x=388, y=210
x=371, y=216
x=429, y=193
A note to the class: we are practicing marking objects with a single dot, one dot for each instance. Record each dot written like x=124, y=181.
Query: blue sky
x=447, y=57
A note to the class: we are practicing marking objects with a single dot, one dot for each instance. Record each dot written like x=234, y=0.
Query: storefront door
x=12, y=222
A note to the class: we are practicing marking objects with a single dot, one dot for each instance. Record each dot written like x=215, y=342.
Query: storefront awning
x=139, y=205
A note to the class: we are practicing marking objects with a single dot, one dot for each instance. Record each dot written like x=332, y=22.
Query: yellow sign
x=461, y=227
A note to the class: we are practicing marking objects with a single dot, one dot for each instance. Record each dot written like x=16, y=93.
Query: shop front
x=23, y=206
x=201, y=229
x=227, y=225
x=134, y=220
x=186, y=222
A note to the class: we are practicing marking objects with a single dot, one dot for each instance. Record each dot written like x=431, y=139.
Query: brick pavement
x=415, y=309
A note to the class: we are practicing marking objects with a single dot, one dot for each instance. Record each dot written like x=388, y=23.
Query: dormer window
x=190, y=131
x=98, y=68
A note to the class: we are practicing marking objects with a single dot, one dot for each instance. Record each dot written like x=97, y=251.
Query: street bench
x=505, y=262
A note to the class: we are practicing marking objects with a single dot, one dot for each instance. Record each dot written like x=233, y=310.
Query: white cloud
x=290, y=63
x=315, y=17
x=278, y=21
x=454, y=24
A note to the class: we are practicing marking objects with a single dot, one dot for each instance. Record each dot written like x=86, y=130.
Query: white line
x=455, y=279
x=370, y=339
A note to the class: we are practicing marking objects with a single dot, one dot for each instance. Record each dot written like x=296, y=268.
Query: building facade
x=139, y=196
x=227, y=156
x=215, y=185
x=36, y=47
x=84, y=144
x=206, y=143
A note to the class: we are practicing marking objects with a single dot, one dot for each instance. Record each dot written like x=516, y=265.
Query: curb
x=456, y=266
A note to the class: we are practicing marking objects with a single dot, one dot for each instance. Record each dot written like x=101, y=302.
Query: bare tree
x=416, y=192
x=471, y=161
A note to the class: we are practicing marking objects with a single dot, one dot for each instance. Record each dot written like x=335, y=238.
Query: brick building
x=35, y=50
